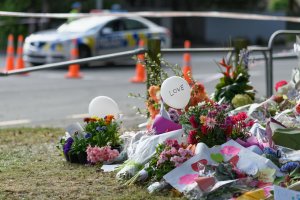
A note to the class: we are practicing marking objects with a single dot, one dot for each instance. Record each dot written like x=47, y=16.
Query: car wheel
x=84, y=52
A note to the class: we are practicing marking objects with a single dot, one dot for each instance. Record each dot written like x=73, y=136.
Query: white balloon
x=102, y=105
x=175, y=92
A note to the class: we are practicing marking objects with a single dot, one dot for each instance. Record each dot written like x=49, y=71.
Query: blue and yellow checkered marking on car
x=89, y=41
x=132, y=39
x=46, y=47
x=53, y=47
x=125, y=40
x=129, y=40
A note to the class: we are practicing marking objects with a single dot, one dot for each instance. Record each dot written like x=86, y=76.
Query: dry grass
x=32, y=168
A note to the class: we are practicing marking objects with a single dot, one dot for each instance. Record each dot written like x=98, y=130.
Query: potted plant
x=99, y=132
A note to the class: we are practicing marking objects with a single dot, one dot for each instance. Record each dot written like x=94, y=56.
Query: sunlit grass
x=32, y=168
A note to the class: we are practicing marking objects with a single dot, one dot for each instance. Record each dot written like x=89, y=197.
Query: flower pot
x=67, y=157
x=73, y=158
x=80, y=158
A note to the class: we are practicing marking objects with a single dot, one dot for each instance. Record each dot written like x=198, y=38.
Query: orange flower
x=153, y=92
x=202, y=119
x=152, y=110
x=198, y=94
x=108, y=119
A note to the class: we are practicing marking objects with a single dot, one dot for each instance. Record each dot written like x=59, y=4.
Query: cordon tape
x=229, y=15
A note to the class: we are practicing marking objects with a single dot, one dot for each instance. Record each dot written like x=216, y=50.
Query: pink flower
x=97, y=154
x=173, y=151
x=172, y=143
x=177, y=160
x=210, y=122
x=185, y=153
x=162, y=158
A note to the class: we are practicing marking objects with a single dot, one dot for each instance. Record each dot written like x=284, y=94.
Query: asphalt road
x=46, y=98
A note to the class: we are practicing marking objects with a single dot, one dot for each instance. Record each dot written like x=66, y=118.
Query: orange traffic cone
x=75, y=68
x=20, y=61
x=10, y=53
x=140, y=72
x=187, y=69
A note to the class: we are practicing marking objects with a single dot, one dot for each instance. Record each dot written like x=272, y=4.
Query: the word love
x=176, y=90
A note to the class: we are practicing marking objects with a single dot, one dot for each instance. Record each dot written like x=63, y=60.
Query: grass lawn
x=32, y=168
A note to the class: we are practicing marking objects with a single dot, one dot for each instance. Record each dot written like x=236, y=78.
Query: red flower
x=193, y=122
x=250, y=123
x=233, y=119
x=228, y=67
x=204, y=130
x=243, y=115
x=279, y=84
x=192, y=137
x=88, y=119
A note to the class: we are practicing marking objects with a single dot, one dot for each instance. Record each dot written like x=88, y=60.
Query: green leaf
x=217, y=157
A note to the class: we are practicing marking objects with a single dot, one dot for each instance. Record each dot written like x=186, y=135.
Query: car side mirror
x=107, y=30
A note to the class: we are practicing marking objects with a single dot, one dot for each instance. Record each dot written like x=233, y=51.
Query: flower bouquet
x=168, y=156
x=210, y=123
x=235, y=82
x=96, y=144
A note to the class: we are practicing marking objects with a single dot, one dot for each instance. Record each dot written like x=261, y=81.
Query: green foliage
x=235, y=81
x=224, y=171
x=278, y=5
x=11, y=25
x=79, y=145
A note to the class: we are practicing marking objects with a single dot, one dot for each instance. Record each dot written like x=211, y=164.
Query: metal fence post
x=269, y=74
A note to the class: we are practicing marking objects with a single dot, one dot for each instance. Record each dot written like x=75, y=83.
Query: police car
x=96, y=35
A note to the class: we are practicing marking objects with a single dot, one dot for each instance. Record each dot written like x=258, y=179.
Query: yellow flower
x=95, y=118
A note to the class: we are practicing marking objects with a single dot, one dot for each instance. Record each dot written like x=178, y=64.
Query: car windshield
x=80, y=25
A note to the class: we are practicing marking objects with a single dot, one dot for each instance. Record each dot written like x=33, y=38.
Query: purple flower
x=228, y=122
x=68, y=145
x=224, y=106
x=212, y=114
x=174, y=115
x=289, y=167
